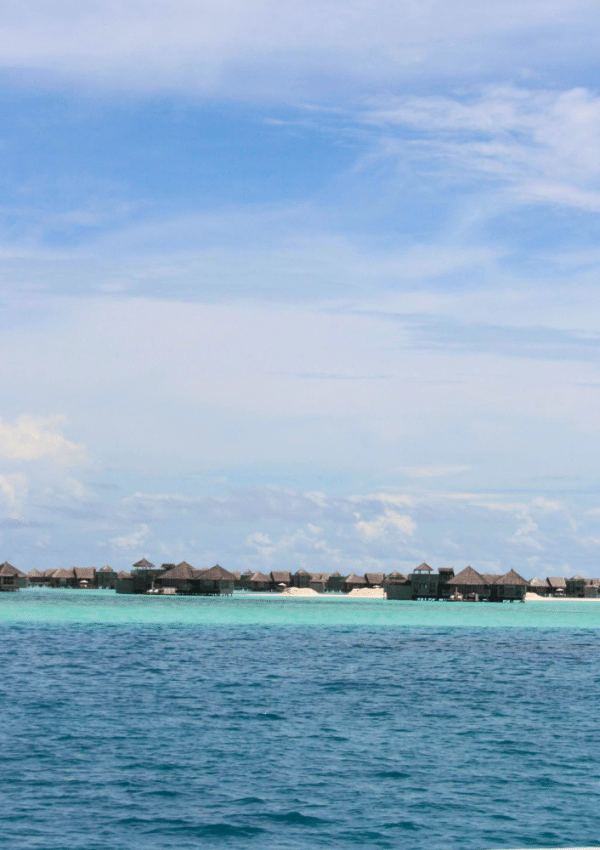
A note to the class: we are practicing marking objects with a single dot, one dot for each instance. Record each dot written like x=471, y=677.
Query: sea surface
x=160, y=723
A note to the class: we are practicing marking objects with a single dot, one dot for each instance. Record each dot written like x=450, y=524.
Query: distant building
x=335, y=582
x=11, y=578
x=106, y=578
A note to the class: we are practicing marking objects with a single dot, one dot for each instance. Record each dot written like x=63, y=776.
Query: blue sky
x=300, y=284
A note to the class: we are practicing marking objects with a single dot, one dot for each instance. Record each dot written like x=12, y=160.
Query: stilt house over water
x=11, y=578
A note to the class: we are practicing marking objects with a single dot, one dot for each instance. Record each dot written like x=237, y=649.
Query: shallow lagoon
x=286, y=724
x=102, y=606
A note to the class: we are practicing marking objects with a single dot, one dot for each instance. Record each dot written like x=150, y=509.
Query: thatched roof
x=217, y=573
x=63, y=574
x=122, y=574
x=260, y=577
x=182, y=571
x=576, y=578
x=396, y=578
x=336, y=575
x=35, y=574
x=7, y=570
x=375, y=578
x=320, y=577
x=247, y=573
x=106, y=569
x=84, y=573
x=423, y=568
x=557, y=581
x=491, y=578
x=468, y=577
x=279, y=576
x=236, y=574
x=301, y=572
x=354, y=579
x=443, y=570
x=50, y=572
x=538, y=582
x=144, y=564
x=511, y=578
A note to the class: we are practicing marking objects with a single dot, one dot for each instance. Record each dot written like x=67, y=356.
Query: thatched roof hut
x=259, y=582
x=318, y=581
x=423, y=568
x=375, y=579
x=469, y=581
x=492, y=577
x=144, y=564
x=335, y=582
x=281, y=577
x=353, y=581
x=176, y=575
x=467, y=578
x=35, y=574
x=8, y=571
x=539, y=586
x=301, y=578
x=11, y=578
x=558, y=584
x=106, y=569
x=511, y=578
x=122, y=574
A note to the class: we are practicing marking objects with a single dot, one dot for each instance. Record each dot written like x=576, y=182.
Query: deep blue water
x=178, y=734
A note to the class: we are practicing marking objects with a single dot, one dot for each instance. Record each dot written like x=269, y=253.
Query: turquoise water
x=285, y=724
x=101, y=606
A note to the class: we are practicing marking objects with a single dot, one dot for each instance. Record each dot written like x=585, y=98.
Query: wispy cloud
x=540, y=145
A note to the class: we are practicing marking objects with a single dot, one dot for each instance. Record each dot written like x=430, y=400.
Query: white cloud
x=432, y=471
x=258, y=45
x=132, y=540
x=541, y=145
x=389, y=521
x=14, y=489
x=31, y=438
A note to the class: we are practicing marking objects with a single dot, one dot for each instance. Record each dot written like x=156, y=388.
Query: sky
x=300, y=284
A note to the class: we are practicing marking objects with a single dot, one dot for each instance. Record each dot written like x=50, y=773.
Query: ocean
x=161, y=723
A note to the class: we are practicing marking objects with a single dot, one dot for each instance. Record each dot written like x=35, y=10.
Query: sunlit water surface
x=260, y=722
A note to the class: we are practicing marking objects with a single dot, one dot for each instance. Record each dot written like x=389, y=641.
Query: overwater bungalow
x=318, y=581
x=106, y=578
x=11, y=578
x=539, y=586
x=245, y=580
x=259, y=582
x=375, y=579
x=301, y=579
x=36, y=578
x=335, y=582
x=352, y=582
x=85, y=577
x=558, y=585
x=179, y=577
x=424, y=582
x=62, y=578
x=510, y=586
x=279, y=577
x=444, y=576
x=469, y=582
x=215, y=581
x=398, y=586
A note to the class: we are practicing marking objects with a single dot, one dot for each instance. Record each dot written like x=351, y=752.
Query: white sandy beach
x=533, y=597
